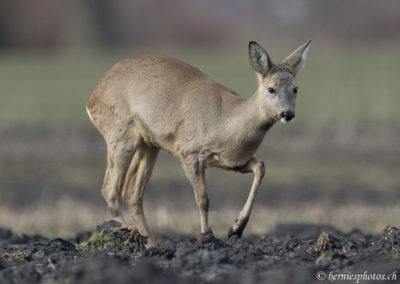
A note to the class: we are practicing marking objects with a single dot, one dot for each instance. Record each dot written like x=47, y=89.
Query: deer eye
x=295, y=89
x=271, y=90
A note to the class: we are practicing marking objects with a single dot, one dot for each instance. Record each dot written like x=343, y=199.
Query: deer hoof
x=207, y=236
x=233, y=234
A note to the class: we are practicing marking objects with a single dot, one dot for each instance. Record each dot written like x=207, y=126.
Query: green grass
x=352, y=86
x=349, y=85
x=99, y=240
x=82, y=246
x=46, y=91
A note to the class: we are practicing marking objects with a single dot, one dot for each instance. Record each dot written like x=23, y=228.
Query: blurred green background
x=337, y=163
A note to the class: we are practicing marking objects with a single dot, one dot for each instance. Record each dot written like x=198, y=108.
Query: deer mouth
x=286, y=116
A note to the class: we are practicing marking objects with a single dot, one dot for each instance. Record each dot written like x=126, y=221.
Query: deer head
x=276, y=87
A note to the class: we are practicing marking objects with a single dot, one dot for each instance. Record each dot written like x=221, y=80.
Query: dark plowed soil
x=114, y=254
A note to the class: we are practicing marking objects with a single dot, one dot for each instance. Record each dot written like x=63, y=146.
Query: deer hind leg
x=196, y=175
x=138, y=175
x=119, y=156
x=258, y=168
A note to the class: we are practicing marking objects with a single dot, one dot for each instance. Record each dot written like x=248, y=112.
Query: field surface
x=297, y=253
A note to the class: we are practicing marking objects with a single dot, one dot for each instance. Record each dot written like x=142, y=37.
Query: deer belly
x=227, y=160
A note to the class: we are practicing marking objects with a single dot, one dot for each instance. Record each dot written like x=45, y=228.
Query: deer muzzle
x=286, y=116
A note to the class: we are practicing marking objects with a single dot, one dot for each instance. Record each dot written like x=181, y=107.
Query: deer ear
x=296, y=60
x=259, y=58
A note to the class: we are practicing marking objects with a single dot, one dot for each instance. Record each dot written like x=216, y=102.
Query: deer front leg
x=258, y=168
x=196, y=175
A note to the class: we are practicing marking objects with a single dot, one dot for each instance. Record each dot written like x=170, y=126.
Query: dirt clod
x=116, y=254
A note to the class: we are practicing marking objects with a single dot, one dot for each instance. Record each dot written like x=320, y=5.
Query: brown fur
x=146, y=103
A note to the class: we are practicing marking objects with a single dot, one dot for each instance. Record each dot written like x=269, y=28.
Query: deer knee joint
x=259, y=169
x=114, y=209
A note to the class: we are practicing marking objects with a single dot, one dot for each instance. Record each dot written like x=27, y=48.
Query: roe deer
x=146, y=103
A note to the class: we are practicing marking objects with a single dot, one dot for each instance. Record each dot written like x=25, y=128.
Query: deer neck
x=251, y=122
x=256, y=118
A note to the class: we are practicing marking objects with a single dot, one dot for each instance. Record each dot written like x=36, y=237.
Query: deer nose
x=287, y=115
